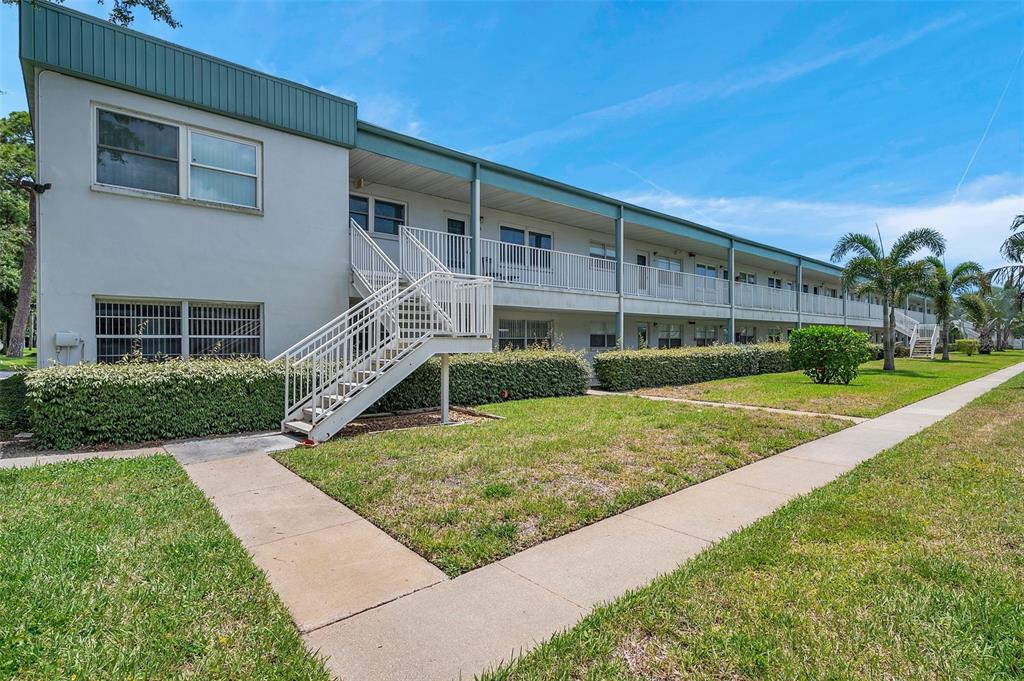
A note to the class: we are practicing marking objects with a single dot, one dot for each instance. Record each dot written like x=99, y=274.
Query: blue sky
x=787, y=123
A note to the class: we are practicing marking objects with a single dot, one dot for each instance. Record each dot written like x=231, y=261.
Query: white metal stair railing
x=924, y=340
x=967, y=329
x=371, y=267
x=905, y=324
x=341, y=369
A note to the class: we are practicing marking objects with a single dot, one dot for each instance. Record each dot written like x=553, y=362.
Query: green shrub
x=85, y=404
x=491, y=377
x=876, y=351
x=631, y=369
x=828, y=354
x=135, y=402
x=968, y=346
x=13, y=405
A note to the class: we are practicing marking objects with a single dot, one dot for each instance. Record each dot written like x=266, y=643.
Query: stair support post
x=444, y=388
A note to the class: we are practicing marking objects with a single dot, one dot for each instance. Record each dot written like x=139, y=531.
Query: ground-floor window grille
x=165, y=329
x=519, y=334
x=224, y=330
x=152, y=330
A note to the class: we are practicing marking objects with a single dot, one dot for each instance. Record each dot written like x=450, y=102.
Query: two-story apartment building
x=200, y=207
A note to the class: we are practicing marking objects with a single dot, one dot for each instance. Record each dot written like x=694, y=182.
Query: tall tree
x=892, y=276
x=945, y=286
x=123, y=11
x=19, y=190
x=978, y=310
x=17, y=168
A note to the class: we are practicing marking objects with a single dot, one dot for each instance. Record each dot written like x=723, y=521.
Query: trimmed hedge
x=491, y=377
x=968, y=346
x=877, y=350
x=828, y=354
x=13, y=405
x=631, y=369
x=85, y=404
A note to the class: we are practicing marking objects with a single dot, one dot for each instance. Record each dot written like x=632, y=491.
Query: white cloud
x=385, y=110
x=686, y=92
x=975, y=223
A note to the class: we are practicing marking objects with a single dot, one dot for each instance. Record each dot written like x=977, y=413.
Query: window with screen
x=223, y=170
x=387, y=216
x=670, y=336
x=602, y=335
x=359, y=210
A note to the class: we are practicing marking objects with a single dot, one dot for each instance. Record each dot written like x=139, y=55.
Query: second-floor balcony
x=520, y=265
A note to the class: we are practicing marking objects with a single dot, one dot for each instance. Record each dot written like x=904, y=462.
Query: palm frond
x=858, y=244
x=915, y=240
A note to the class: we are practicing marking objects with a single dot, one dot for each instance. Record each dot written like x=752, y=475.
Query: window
x=774, y=334
x=222, y=170
x=706, y=271
x=224, y=330
x=142, y=153
x=705, y=335
x=774, y=282
x=520, y=237
x=456, y=226
x=164, y=329
x=746, y=334
x=602, y=251
x=153, y=329
x=136, y=153
x=387, y=217
x=511, y=235
x=668, y=264
x=359, y=210
x=746, y=278
x=519, y=334
x=602, y=335
x=538, y=240
x=670, y=336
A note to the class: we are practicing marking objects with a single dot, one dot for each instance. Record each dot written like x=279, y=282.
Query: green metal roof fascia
x=378, y=140
x=56, y=38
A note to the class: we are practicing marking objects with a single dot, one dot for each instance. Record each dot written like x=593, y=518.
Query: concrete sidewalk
x=460, y=627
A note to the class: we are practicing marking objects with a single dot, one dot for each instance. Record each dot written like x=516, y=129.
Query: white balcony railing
x=525, y=265
x=515, y=264
x=765, y=298
x=823, y=305
x=650, y=282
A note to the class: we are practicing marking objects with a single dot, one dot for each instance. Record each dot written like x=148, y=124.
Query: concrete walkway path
x=460, y=627
x=730, y=405
x=325, y=561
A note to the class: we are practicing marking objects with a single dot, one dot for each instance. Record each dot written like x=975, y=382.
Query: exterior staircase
x=922, y=338
x=406, y=317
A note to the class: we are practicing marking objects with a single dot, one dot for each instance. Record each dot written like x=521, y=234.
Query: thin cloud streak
x=688, y=93
x=974, y=224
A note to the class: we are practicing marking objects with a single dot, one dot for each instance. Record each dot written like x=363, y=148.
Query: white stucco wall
x=292, y=258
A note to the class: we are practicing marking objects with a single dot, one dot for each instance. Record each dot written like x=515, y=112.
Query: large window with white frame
x=670, y=335
x=165, y=329
x=602, y=335
x=705, y=334
x=144, y=153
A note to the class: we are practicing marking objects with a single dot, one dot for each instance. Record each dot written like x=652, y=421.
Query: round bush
x=968, y=346
x=828, y=354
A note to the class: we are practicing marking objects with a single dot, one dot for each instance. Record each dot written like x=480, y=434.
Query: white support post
x=800, y=293
x=444, y=388
x=732, y=291
x=620, y=318
x=474, y=222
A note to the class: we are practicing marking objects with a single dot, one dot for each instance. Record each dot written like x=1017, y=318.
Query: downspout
x=732, y=291
x=474, y=221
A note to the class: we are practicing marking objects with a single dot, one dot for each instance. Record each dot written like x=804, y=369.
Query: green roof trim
x=59, y=39
x=378, y=140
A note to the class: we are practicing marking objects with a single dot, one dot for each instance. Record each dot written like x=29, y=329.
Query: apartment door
x=643, y=282
x=456, y=255
x=643, y=331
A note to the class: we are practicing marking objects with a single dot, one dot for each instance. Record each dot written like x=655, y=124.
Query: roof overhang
x=55, y=38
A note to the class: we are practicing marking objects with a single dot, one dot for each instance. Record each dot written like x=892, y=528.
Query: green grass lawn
x=872, y=393
x=121, y=569
x=464, y=496
x=909, y=567
x=19, y=363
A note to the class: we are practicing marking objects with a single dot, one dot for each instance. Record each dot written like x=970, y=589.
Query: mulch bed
x=418, y=419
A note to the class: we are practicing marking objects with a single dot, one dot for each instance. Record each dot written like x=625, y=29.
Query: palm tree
x=1005, y=307
x=892, y=277
x=944, y=286
x=1013, y=250
x=978, y=310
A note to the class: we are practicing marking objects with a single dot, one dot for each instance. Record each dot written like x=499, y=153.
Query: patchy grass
x=468, y=495
x=122, y=569
x=19, y=363
x=872, y=393
x=909, y=567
